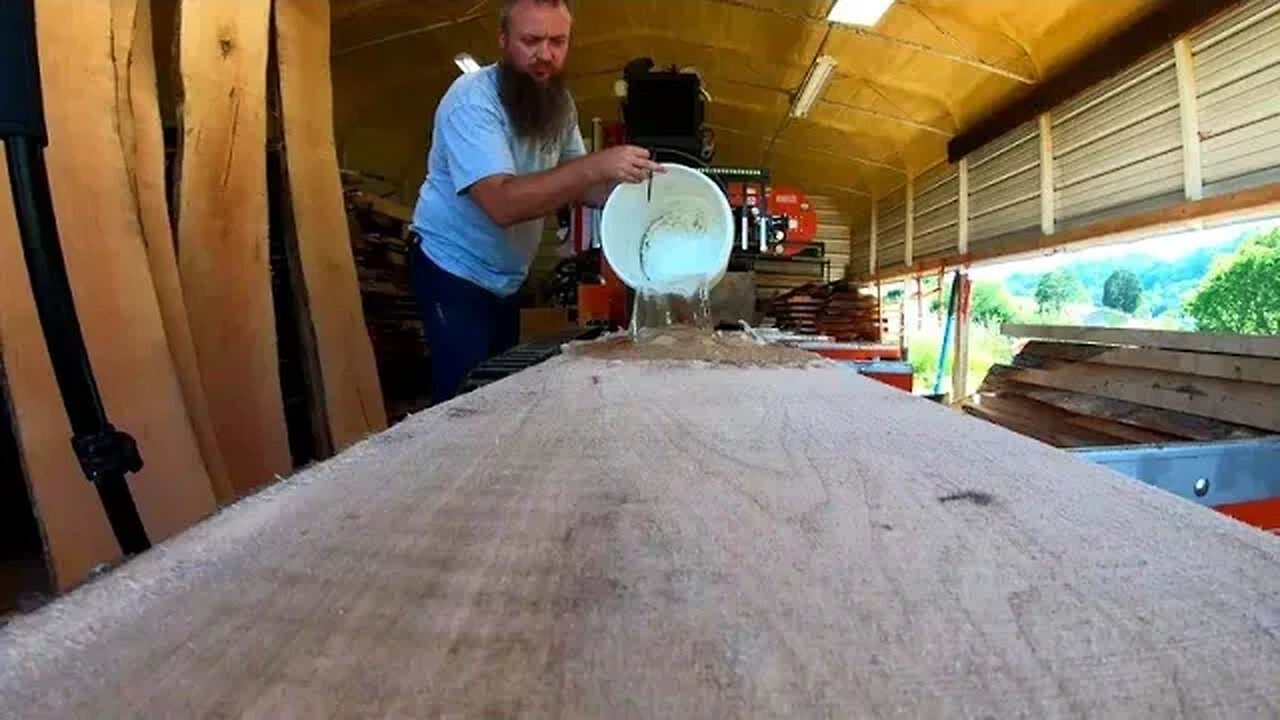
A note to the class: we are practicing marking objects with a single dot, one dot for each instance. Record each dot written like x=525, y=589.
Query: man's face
x=537, y=43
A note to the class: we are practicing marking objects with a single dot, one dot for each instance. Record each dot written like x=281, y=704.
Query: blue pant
x=465, y=324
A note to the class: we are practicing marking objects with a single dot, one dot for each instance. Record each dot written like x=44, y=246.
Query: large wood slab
x=347, y=387
x=222, y=232
x=1267, y=346
x=73, y=525
x=102, y=240
x=600, y=538
x=142, y=138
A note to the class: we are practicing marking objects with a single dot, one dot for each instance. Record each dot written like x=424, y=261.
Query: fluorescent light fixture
x=859, y=12
x=466, y=63
x=824, y=68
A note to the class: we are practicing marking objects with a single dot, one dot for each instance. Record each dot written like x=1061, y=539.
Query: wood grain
x=111, y=280
x=1226, y=367
x=1252, y=404
x=348, y=386
x=222, y=232
x=611, y=539
x=1267, y=346
x=76, y=534
x=142, y=139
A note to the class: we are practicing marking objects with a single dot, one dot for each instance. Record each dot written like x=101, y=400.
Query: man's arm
x=512, y=199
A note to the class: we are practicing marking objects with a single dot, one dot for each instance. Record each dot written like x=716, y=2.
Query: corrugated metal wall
x=1237, y=62
x=936, y=206
x=1119, y=143
x=1004, y=185
x=1115, y=150
x=893, y=223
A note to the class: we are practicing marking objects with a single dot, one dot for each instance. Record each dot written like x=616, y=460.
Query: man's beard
x=539, y=111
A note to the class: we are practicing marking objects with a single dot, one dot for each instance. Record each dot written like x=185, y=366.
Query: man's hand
x=623, y=164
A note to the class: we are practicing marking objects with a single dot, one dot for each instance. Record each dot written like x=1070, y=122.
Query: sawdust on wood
x=688, y=344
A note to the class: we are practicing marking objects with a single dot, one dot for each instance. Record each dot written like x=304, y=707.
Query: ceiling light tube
x=824, y=68
x=466, y=63
x=858, y=12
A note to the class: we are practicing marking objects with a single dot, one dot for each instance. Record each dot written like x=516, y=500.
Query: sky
x=1165, y=247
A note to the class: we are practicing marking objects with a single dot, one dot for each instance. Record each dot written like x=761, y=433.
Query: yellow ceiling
x=930, y=68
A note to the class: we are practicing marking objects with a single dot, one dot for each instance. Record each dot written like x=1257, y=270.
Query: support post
x=1189, y=108
x=908, y=249
x=963, y=220
x=874, y=237
x=1047, y=204
x=960, y=368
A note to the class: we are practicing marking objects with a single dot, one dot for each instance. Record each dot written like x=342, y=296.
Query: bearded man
x=506, y=152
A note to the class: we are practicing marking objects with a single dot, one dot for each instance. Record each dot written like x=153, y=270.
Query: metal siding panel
x=1018, y=136
x=1152, y=177
x=1119, y=143
x=1238, y=84
x=1249, y=149
x=1020, y=215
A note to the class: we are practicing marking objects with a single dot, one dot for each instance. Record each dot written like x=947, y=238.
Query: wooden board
x=1168, y=422
x=1250, y=404
x=348, y=390
x=1256, y=345
x=222, y=232
x=142, y=138
x=1226, y=367
x=73, y=525
x=596, y=538
x=111, y=280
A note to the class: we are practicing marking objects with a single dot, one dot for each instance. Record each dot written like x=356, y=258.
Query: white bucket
x=678, y=243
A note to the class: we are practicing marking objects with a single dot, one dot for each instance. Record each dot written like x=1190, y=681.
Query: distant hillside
x=1165, y=283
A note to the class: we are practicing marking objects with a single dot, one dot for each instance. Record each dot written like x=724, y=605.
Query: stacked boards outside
x=1083, y=387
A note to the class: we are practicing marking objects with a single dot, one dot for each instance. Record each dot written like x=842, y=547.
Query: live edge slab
x=607, y=538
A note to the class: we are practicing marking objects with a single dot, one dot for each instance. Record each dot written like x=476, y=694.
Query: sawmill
x=554, y=358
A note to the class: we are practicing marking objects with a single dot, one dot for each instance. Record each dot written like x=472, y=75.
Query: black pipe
x=106, y=455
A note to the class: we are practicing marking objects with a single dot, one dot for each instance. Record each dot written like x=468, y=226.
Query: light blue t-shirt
x=474, y=140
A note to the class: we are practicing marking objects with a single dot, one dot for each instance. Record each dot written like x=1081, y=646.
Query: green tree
x=990, y=304
x=1242, y=293
x=1056, y=290
x=1122, y=291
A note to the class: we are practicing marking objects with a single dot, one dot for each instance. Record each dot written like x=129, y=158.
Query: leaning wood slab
x=609, y=538
x=1267, y=346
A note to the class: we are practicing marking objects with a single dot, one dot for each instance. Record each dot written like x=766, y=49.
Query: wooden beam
x=962, y=209
x=1048, y=208
x=874, y=235
x=474, y=562
x=1226, y=367
x=1234, y=402
x=1165, y=22
x=1168, y=422
x=222, y=232
x=1189, y=110
x=1267, y=346
x=964, y=323
x=348, y=390
x=107, y=264
x=138, y=108
x=910, y=228
x=76, y=535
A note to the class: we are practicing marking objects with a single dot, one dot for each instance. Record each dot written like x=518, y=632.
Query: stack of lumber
x=613, y=538
x=378, y=231
x=1080, y=387
x=843, y=311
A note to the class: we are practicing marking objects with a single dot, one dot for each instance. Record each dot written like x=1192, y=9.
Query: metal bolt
x=1202, y=487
